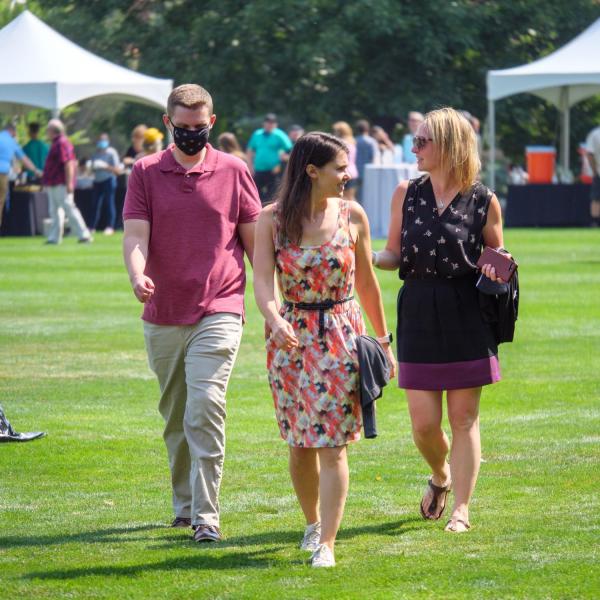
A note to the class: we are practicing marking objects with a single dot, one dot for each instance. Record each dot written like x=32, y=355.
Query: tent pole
x=565, y=133
x=492, y=143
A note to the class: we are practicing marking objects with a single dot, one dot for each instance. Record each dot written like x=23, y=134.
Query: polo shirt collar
x=168, y=162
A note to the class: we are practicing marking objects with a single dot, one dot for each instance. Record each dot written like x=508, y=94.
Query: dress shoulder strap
x=344, y=223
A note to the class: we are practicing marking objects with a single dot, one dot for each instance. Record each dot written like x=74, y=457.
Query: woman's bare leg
x=465, y=457
x=333, y=491
x=425, y=408
x=304, y=470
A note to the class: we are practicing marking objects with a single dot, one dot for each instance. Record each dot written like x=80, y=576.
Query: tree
x=316, y=61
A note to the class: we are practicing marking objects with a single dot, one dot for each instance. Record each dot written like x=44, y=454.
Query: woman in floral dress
x=319, y=247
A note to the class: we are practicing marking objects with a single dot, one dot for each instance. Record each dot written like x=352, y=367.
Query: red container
x=540, y=163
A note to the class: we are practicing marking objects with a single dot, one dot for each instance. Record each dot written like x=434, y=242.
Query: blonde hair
x=189, y=95
x=456, y=144
x=342, y=130
x=139, y=130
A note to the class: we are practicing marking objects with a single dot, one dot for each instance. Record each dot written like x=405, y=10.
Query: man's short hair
x=34, y=128
x=362, y=126
x=189, y=95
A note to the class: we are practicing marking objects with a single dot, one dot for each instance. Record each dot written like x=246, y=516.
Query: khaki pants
x=193, y=365
x=3, y=193
x=59, y=202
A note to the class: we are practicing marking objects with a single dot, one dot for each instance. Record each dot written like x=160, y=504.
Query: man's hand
x=143, y=288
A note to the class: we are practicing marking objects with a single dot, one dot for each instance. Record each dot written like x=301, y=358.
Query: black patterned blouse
x=446, y=245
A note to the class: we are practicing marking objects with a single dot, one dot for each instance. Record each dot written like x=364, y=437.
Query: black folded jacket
x=374, y=375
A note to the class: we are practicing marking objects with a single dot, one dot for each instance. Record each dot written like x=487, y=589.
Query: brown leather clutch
x=504, y=265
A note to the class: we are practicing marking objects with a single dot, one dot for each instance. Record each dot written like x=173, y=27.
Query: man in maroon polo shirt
x=189, y=216
x=59, y=182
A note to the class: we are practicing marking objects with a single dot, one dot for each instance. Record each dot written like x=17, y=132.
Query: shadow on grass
x=257, y=559
x=89, y=537
x=206, y=558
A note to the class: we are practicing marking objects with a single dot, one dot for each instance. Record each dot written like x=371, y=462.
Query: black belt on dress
x=320, y=306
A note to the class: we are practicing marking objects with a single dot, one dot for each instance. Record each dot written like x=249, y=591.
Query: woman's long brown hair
x=314, y=148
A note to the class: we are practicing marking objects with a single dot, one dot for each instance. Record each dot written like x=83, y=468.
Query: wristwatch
x=386, y=339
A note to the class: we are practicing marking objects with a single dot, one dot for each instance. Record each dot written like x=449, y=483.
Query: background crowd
x=266, y=154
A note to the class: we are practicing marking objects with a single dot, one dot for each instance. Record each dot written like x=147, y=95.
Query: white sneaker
x=312, y=537
x=322, y=557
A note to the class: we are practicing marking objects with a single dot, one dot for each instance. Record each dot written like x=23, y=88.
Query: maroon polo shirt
x=61, y=151
x=195, y=254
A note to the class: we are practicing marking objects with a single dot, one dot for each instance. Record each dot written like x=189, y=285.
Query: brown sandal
x=440, y=494
x=451, y=525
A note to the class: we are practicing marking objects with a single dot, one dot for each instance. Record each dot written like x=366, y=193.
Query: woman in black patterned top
x=439, y=224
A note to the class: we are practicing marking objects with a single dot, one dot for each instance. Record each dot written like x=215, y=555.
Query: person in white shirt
x=592, y=144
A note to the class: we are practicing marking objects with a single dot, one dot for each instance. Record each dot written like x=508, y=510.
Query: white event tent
x=41, y=68
x=563, y=78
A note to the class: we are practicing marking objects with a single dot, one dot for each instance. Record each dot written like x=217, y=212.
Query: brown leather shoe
x=181, y=522
x=207, y=533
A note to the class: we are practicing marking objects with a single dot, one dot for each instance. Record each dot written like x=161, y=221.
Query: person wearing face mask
x=189, y=217
x=106, y=166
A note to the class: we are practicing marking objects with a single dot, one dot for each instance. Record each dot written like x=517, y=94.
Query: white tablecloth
x=379, y=184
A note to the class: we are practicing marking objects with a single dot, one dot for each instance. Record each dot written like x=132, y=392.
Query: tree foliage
x=315, y=61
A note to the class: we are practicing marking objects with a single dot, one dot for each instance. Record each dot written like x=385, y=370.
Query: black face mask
x=190, y=141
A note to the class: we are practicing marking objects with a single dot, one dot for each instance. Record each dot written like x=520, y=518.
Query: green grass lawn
x=83, y=511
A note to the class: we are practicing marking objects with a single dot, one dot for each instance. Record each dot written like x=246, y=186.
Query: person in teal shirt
x=268, y=147
x=35, y=149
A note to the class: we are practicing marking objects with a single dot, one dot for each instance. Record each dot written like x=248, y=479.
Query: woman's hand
x=490, y=272
x=390, y=358
x=282, y=333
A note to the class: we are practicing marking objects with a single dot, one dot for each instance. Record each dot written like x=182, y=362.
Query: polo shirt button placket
x=188, y=186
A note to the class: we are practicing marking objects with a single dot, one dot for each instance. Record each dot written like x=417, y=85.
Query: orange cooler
x=540, y=163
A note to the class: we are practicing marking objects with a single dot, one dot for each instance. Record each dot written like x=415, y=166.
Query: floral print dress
x=315, y=386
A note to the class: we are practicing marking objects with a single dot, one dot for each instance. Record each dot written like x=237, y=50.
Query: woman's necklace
x=441, y=204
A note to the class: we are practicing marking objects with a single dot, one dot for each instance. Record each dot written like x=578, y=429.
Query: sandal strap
x=457, y=520
x=439, y=489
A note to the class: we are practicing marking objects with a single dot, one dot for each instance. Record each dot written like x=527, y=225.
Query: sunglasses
x=420, y=142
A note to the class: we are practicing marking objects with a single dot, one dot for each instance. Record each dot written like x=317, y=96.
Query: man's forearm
x=69, y=176
x=135, y=252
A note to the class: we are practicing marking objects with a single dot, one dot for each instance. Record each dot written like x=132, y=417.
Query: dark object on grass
x=8, y=434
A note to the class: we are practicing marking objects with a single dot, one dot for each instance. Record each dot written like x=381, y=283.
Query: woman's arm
x=389, y=258
x=492, y=234
x=282, y=332
x=366, y=283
